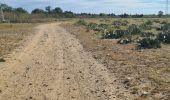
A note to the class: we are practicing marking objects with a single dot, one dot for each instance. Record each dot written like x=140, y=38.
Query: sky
x=94, y=6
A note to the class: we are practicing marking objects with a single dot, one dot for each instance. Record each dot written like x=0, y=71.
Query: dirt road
x=54, y=66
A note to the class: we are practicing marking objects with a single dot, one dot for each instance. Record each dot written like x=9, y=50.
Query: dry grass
x=11, y=36
x=149, y=70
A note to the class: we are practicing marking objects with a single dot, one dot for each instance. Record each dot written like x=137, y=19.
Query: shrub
x=148, y=43
x=117, y=24
x=92, y=26
x=148, y=22
x=103, y=26
x=116, y=34
x=109, y=35
x=121, y=33
x=164, y=37
x=165, y=27
x=164, y=22
x=157, y=21
x=147, y=34
x=81, y=22
x=145, y=27
x=134, y=29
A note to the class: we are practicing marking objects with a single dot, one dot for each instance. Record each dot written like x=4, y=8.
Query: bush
x=103, y=26
x=164, y=22
x=157, y=21
x=147, y=34
x=145, y=27
x=165, y=27
x=117, y=24
x=116, y=34
x=81, y=22
x=148, y=22
x=121, y=33
x=134, y=29
x=164, y=37
x=92, y=26
x=109, y=35
x=148, y=43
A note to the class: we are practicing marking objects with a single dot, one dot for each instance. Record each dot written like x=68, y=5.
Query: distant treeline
x=21, y=15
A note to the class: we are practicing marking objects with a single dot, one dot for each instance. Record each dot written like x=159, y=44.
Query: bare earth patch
x=143, y=72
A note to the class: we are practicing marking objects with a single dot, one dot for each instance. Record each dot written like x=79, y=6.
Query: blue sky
x=94, y=6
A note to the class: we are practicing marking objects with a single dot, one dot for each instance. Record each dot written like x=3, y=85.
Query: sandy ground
x=54, y=66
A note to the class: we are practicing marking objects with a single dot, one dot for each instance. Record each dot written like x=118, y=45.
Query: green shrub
x=165, y=27
x=148, y=43
x=121, y=33
x=145, y=27
x=92, y=26
x=103, y=26
x=157, y=21
x=147, y=34
x=164, y=22
x=116, y=34
x=81, y=22
x=117, y=24
x=109, y=35
x=148, y=22
x=134, y=29
x=164, y=37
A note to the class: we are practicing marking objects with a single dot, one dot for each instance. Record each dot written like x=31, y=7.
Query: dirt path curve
x=54, y=66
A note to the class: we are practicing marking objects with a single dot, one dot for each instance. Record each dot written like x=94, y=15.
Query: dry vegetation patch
x=12, y=36
x=145, y=72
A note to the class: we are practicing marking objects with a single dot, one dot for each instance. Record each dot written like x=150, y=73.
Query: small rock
x=144, y=94
x=45, y=85
x=68, y=77
x=30, y=97
x=103, y=90
x=97, y=81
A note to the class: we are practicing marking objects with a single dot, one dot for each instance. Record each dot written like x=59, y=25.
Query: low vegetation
x=141, y=34
x=139, y=60
x=149, y=43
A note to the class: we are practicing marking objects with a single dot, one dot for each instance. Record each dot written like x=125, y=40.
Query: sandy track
x=54, y=66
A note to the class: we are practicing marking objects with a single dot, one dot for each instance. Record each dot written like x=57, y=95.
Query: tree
x=160, y=14
x=38, y=11
x=48, y=9
x=57, y=10
x=6, y=8
x=20, y=10
x=69, y=14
